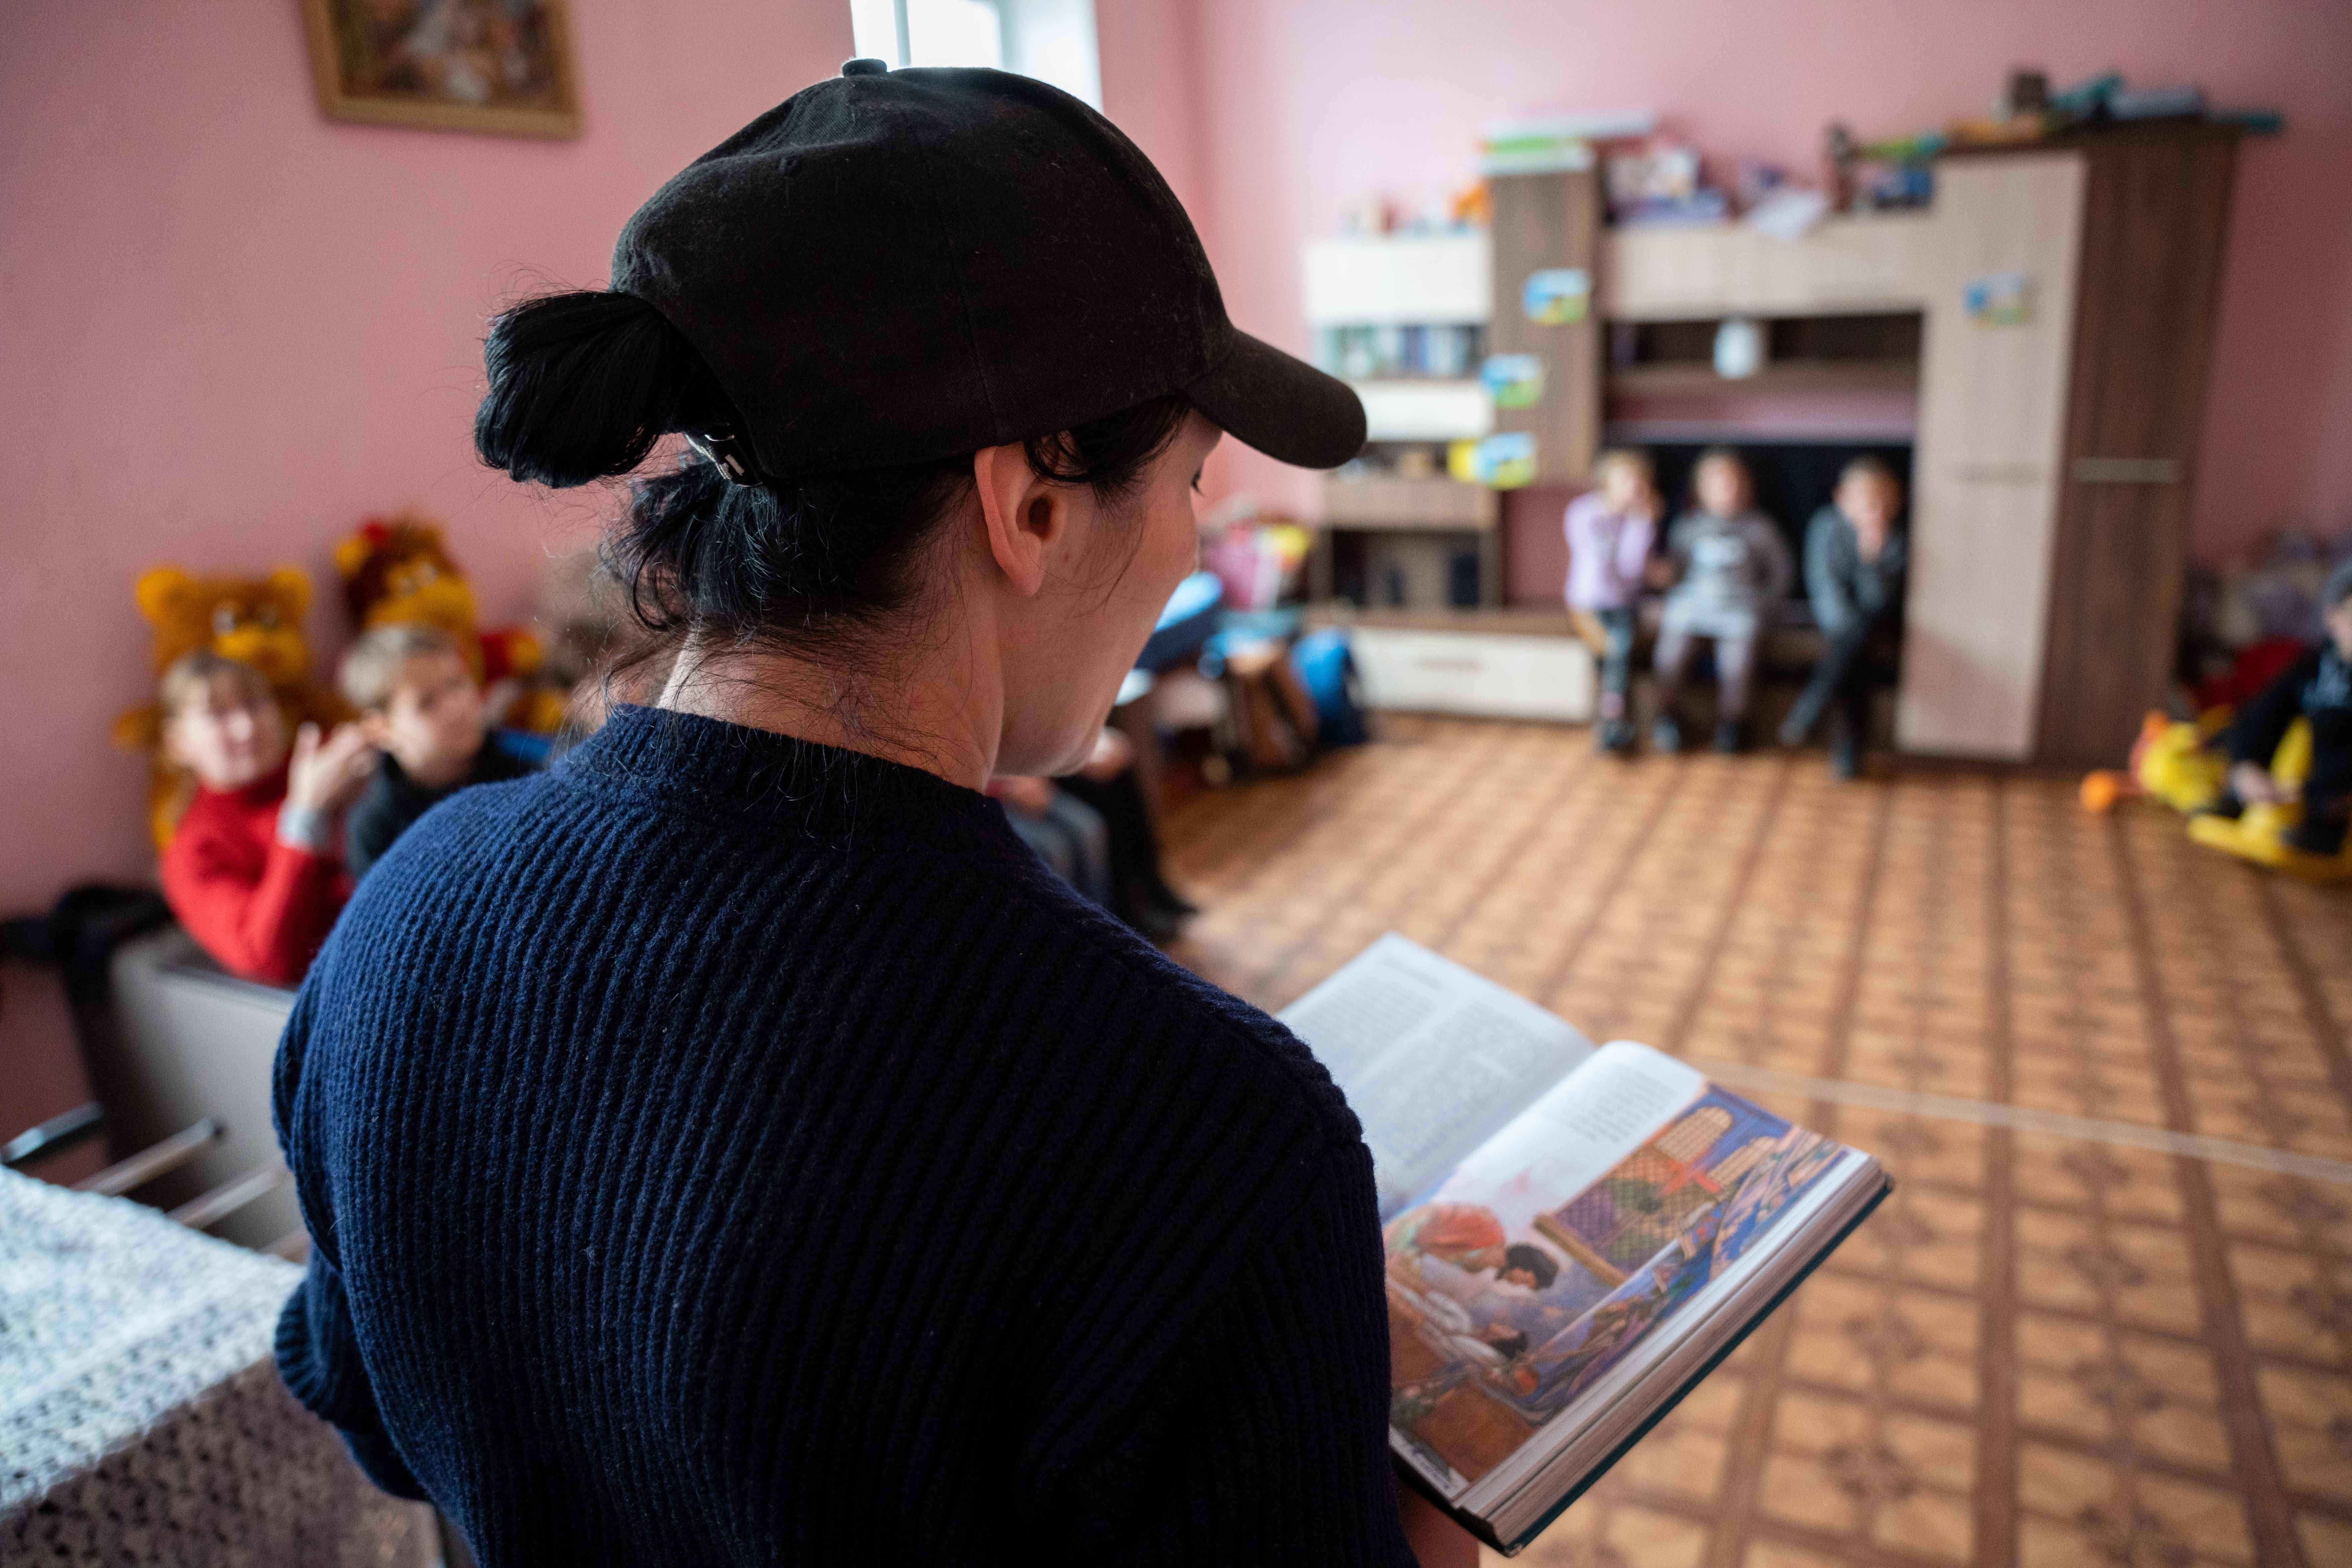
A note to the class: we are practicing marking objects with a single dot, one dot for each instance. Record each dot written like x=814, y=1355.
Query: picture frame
x=498, y=66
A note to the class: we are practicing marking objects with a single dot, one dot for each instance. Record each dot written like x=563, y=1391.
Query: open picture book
x=1575, y=1236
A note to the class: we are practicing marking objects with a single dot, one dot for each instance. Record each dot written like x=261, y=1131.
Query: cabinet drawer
x=1488, y=674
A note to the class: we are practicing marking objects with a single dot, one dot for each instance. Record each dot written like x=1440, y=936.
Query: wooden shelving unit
x=2053, y=440
x=1669, y=379
x=1422, y=535
x=1386, y=500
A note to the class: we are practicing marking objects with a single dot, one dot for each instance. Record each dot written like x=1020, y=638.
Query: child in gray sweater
x=1731, y=566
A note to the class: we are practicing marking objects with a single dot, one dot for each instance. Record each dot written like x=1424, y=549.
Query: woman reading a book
x=732, y=1146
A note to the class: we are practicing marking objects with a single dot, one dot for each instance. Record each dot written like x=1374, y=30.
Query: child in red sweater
x=253, y=871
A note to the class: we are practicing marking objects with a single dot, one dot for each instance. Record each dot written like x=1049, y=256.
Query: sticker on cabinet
x=1999, y=300
x=1513, y=380
x=1557, y=295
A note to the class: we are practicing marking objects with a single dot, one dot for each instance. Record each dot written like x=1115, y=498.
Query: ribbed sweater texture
x=724, y=1149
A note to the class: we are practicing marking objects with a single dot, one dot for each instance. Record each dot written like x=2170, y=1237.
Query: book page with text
x=1433, y=1059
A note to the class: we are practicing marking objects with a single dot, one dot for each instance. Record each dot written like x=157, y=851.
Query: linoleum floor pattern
x=2048, y=1348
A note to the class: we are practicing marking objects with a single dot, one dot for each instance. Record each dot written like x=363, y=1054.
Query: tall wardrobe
x=2072, y=296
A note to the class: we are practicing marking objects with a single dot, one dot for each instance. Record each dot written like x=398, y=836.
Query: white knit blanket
x=140, y=1417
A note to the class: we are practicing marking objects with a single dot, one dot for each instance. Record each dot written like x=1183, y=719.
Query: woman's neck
x=918, y=706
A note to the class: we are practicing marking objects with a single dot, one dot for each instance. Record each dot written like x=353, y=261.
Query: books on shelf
x=1575, y=1234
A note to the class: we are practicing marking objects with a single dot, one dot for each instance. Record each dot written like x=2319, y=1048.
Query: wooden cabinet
x=1489, y=674
x=1550, y=224
x=2072, y=292
x=2069, y=291
x=1848, y=266
x=2155, y=206
x=1985, y=468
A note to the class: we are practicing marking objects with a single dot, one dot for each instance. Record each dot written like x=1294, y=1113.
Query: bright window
x=1053, y=40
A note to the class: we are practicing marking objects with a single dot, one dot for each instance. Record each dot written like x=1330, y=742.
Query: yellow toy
x=2171, y=761
x=2259, y=833
x=397, y=572
x=254, y=620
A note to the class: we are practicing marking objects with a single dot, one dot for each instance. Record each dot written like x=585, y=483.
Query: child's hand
x=328, y=775
x=2255, y=786
x=1660, y=573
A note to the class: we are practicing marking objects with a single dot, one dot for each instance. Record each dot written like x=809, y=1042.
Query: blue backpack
x=1326, y=668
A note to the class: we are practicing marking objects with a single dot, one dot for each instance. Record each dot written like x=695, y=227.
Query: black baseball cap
x=897, y=266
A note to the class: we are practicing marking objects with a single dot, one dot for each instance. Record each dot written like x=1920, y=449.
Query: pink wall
x=1152, y=89
x=1310, y=104
x=233, y=329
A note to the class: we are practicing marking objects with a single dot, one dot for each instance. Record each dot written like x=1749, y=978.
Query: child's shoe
x=1666, y=735
x=1615, y=736
x=1800, y=720
x=2314, y=835
x=1730, y=736
x=1845, y=755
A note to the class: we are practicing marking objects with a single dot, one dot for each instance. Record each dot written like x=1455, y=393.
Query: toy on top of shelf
x=1659, y=182
x=1556, y=144
x=2021, y=114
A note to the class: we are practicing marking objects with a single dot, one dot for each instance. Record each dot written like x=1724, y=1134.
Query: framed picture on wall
x=454, y=65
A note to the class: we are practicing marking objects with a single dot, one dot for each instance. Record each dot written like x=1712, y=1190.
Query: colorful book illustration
x=1575, y=1234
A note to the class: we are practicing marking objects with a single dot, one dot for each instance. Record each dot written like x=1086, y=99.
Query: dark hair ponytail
x=583, y=385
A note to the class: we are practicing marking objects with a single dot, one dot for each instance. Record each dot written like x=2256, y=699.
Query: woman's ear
x=1025, y=516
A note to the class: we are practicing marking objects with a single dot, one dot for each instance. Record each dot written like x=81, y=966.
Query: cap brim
x=1281, y=405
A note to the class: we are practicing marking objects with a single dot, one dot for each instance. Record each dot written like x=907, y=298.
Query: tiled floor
x=2057, y=1344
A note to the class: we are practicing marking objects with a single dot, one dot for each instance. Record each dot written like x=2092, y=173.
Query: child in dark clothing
x=1855, y=557
x=2317, y=687
x=420, y=708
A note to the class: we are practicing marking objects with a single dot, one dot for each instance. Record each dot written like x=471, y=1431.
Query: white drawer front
x=1488, y=674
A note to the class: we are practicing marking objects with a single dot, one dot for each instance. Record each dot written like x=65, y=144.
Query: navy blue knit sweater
x=724, y=1149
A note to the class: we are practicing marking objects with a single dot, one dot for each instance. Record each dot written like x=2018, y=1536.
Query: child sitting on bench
x=1732, y=566
x=420, y=708
x=1610, y=530
x=1855, y=557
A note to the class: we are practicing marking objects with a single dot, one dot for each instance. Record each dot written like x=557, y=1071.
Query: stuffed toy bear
x=254, y=620
x=397, y=572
